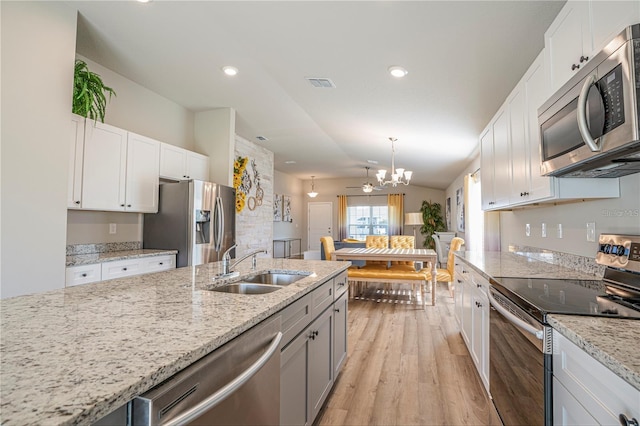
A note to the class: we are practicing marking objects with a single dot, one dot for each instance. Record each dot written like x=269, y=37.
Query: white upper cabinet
x=486, y=159
x=568, y=42
x=76, y=154
x=143, y=170
x=581, y=30
x=120, y=171
x=520, y=170
x=180, y=164
x=104, y=171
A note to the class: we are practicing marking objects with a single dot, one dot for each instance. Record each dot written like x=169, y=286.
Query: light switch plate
x=112, y=228
x=544, y=230
x=559, y=231
x=591, y=232
x=527, y=230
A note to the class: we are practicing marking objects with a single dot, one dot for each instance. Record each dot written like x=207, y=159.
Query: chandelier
x=398, y=175
x=313, y=193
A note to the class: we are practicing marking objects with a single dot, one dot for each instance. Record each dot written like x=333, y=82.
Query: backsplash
x=567, y=260
x=76, y=249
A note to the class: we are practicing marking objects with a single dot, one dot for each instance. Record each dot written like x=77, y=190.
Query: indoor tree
x=432, y=221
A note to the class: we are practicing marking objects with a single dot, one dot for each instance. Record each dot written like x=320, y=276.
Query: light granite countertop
x=611, y=341
x=91, y=258
x=71, y=356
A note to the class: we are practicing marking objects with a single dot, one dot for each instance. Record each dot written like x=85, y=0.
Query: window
x=367, y=220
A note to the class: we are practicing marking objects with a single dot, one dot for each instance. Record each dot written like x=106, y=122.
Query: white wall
x=617, y=216
x=285, y=184
x=38, y=50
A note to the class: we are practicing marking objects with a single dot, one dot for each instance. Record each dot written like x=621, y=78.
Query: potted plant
x=432, y=221
x=89, y=92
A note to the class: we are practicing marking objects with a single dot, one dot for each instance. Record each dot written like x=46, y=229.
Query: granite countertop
x=73, y=355
x=91, y=258
x=609, y=340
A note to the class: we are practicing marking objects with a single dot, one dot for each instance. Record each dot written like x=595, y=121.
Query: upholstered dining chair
x=376, y=241
x=407, y=242
x=446, y=275
x=329, y=247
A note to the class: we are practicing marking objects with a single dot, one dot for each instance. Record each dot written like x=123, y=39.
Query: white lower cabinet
x=587, y=392
x=311, y=360
x=85, y=274
x=471, y=307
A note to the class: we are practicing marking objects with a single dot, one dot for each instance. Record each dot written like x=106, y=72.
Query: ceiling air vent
x=261, y=138
x=321, y=82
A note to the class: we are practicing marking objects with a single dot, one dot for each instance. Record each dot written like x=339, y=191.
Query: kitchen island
x=611, y=341
x=71, y=356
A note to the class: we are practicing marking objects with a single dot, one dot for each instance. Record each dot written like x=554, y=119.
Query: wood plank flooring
x=406, y=366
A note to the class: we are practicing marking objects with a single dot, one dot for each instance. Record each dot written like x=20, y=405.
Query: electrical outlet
x=559, y=231
x=112, y=228
x=544, y=230
x=591, y=232
x=527, y=230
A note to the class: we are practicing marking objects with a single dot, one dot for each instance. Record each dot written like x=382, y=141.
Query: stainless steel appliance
x=194, y=217
x=237, y=384
x=520, y=347
x=590, y=127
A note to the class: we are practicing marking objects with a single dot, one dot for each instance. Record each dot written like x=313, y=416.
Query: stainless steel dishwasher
x=238, y=383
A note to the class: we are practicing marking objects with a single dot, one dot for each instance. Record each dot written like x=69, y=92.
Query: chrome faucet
x=226, y=260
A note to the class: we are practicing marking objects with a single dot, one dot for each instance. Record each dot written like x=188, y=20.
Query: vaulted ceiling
x=463, y=59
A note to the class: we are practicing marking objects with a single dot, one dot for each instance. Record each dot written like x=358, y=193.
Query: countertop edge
x=94, y=258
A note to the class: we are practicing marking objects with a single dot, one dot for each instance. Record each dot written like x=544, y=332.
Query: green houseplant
x=432, y=221
x=89, y=92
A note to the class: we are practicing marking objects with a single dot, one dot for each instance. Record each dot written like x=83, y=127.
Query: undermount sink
x=274, y=278
x=246, y=288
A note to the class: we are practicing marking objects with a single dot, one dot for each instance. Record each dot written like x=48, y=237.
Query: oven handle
x=539, y=334
x=583, y=127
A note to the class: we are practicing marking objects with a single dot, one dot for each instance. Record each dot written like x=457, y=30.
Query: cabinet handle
x=584, y=59
x=77, y=202
x=574, y=67
x=479, y=285
x=121, y=205
x=84, y=275
x=341, y=283
x=625, y=421
x=160, y=263
x=124, y=269
x=128, y=205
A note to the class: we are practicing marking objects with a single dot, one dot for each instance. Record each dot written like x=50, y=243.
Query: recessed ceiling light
x=144, y=1
x=289, y=162
x=229, y=70
x=398, y=72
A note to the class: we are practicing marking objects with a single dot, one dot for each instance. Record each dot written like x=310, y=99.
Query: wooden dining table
x=390, y=254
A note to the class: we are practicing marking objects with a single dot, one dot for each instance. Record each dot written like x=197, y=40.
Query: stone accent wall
x=254, y=228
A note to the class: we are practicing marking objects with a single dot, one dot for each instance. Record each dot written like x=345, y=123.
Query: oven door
x=520, y=383
x=594, y=120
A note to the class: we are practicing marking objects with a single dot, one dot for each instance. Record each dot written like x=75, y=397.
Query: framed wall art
x=277, y=208
x=286, y=208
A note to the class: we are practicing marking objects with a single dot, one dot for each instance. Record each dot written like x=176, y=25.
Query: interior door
x=319, y=223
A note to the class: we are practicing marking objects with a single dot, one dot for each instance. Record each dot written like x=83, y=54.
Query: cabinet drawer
x=295, y=318
x=339, y=285
x=603, y=393
x=82, y=274
x=121, y=268
x=158, y=263
x=321, y=298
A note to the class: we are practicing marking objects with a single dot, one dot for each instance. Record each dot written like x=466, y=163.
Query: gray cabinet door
x=320, y=368
x=294, y=409
x=340, y=333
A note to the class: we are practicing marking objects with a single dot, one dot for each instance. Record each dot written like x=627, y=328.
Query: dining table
x=427, y=256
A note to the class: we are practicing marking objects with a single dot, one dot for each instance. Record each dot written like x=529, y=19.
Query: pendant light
x=313, y=193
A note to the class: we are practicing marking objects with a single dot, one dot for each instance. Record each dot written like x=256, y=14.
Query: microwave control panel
x=611, y=91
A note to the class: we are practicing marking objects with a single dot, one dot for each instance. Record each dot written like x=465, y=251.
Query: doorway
x=319, y=223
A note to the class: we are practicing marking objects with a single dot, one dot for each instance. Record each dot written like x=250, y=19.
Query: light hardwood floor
x=406, y=366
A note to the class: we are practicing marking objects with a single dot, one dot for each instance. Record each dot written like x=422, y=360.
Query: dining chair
x=406, y=242
x=329, y=247
x=376, y=241
x=446, y=275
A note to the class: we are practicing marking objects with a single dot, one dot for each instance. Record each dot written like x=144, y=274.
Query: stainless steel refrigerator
x=194, y=217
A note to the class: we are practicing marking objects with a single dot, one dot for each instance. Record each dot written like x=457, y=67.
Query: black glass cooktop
x=542, y=296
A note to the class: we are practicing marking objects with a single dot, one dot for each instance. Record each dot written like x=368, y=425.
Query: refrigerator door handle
x=219, y=225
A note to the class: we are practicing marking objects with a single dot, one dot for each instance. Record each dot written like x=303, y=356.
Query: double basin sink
x=260, y=283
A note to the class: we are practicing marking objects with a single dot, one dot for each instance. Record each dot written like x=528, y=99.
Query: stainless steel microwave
x=590, y=127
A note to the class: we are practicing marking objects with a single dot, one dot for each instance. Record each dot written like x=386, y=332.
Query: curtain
x=396, y=213
x=342, y=217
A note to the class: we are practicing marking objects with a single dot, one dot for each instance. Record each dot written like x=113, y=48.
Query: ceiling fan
x=367, y=186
